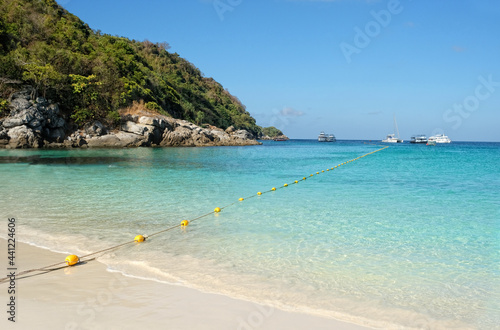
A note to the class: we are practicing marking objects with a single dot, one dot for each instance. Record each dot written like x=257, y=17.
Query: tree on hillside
x=92, y=75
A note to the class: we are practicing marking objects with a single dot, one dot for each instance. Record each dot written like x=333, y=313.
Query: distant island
x=63, y=84
x=272, y=133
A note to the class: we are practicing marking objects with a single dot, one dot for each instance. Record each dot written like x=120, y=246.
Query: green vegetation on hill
x=272, y=132
x=93, y=75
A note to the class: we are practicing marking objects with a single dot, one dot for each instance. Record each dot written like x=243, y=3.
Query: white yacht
x=322, y=137
x=391, y=138
x=440, y=138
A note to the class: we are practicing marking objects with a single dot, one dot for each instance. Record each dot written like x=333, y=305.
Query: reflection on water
x=40, y=160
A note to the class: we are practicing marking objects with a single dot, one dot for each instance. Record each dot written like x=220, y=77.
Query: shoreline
x=90, y=296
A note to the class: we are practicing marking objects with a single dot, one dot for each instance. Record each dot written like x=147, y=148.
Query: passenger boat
x=440, y=138
x=323, y=137
x=418, y=139
x=331, y=138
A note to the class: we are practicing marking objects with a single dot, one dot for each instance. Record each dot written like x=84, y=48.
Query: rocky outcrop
x=39, y=125
x=276, y=138
x=31, y=124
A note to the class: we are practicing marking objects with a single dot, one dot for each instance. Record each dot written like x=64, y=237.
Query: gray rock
x=243, y=134
x=130, y=139
x=53, y=109
x=51, y=113
x=220, y=136
x=22, y=137
x=230, y=129
x=13, y=122
x=164, y=125
x=139, y=129
x=203, y=137
x=22, y=94
x=28, y=123
x=41, y=101
x=132, y=127
x=95, y=129
x=118, y=140
x=20, y=104
x=104, y=141
x=60, y=123
x=148, y=121
x=180, y=136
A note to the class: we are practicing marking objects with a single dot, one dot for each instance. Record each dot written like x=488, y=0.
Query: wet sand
x=88, y=296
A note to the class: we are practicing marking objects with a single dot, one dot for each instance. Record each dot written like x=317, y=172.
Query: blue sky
x=344, y=67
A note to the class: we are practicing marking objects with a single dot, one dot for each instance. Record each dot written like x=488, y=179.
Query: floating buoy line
x=72, y=259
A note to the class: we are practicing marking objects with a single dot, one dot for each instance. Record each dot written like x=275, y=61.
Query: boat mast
x=396, y=125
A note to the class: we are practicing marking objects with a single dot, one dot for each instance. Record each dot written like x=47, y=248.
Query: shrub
x=4, y=107
x=114, y=117
x=153, y=106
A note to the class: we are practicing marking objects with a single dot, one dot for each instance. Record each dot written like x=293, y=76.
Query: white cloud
x=290, y=112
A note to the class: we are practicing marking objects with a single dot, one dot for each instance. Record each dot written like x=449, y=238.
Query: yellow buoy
x=332, y=168
x=273, y=189
x=241, y=198
x=317, y=172
x=259, y=193
x=311, y=174
x=217, y=209
x=327, y=169
x=285, y=185
x=303, y=178
x=184, y=223
x=296, y=181
x=322, y=171
x=139, y=238
x=71, y=260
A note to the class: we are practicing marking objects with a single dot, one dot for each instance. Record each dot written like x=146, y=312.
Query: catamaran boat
x=440, y=138
x=418, y=139
x=391, y=138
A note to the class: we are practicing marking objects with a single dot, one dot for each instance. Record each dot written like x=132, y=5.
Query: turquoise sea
x=407, y=237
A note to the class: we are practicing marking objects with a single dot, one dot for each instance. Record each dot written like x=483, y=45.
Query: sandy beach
x=88, y=296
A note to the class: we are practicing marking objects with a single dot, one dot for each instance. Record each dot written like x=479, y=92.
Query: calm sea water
x=405, y=237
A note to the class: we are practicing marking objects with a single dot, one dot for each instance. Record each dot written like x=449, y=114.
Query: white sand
x=88, y=296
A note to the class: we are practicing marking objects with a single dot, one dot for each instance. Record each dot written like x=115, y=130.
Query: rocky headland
x=281, y=137
x=39, y=124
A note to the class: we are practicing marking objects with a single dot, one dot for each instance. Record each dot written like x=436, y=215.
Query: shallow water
x=405, y=237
